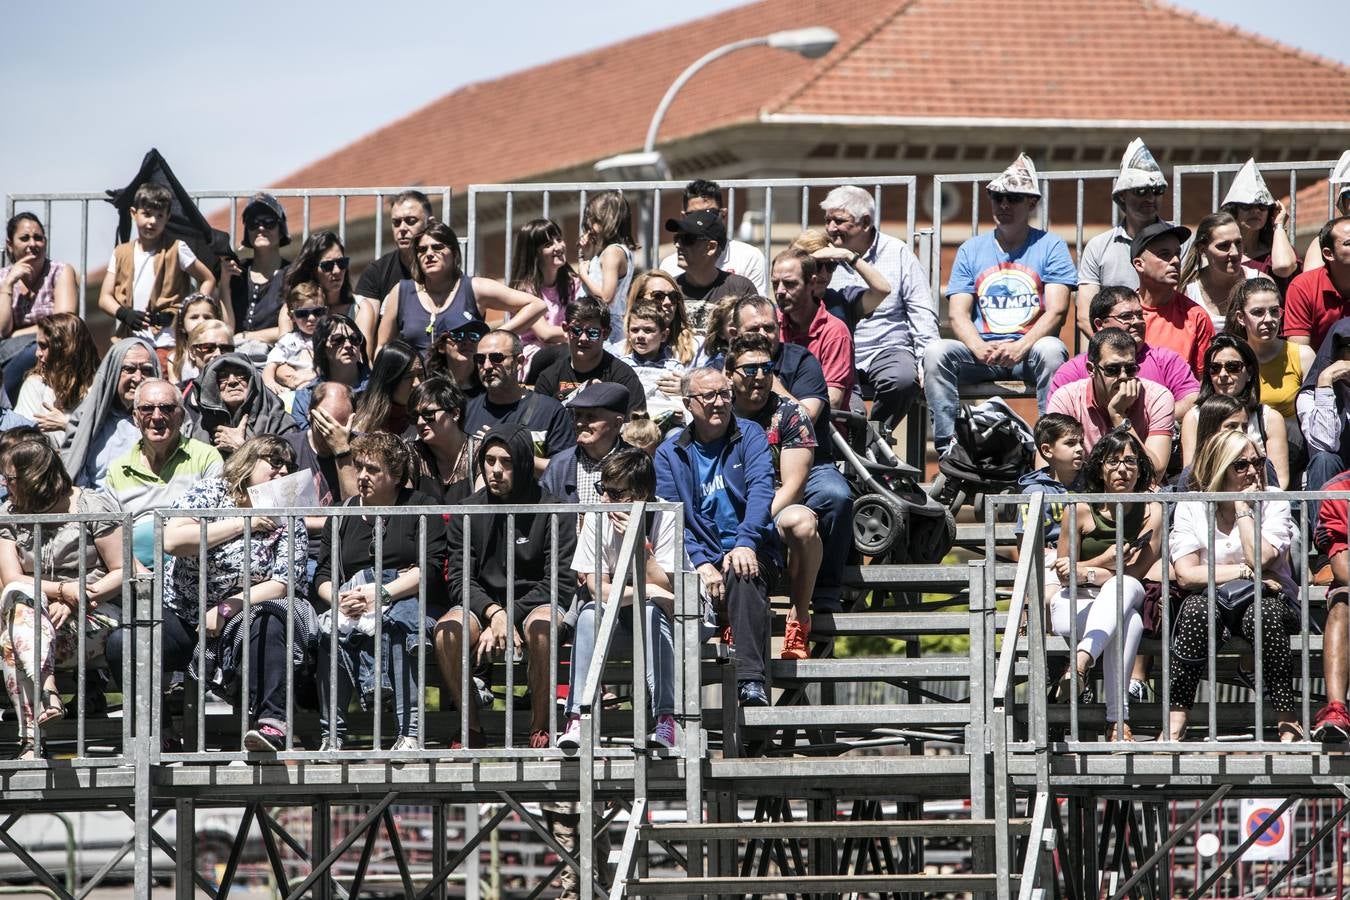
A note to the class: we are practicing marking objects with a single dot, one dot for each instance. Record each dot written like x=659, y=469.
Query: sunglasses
x=429, y=414
x=209, y=347
x=277, y=462
x=461, y=336
x=1003, y=197
x=341, y=262
x=1156, y=190
x=230, y=376
x=145, y=369
x=688, y=240
x=309, y=312
x=496, y=359
x=708, y=398
x=1231, y=367
x=431, y=249
x=754, y=370
x=1240, y=466
x=264, y=222
x=661, y=296
x=1111, y=370
x=164, y=409
x=337, y=340
x=607, y=490
x=591, y=332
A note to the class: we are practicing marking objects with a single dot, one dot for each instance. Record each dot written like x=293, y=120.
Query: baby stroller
x=993, y=448
x=894, y=521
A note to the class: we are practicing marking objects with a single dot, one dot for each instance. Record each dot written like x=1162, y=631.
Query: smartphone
x=1141, y=542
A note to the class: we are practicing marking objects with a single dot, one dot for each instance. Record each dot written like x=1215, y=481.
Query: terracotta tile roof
x=1073, y=59
x=1069, y=59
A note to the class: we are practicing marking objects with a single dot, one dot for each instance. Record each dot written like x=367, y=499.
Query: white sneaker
x=571, y=736
x=406, y=742
x=331, y=744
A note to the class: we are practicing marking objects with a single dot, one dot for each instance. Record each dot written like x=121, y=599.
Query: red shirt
x=1183, y=327
x=1312, y=305
x=1330, y=534
x=828, y=340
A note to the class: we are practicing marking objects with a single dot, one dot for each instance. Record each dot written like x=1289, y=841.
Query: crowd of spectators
x=1217, y=357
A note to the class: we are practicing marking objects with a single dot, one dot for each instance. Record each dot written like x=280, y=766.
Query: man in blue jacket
x=720, y=468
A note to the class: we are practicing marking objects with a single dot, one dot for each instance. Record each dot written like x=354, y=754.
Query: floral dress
x=61, y=562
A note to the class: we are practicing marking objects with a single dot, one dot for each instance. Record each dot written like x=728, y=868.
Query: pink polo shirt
x=1151, y=414
x=829, y=341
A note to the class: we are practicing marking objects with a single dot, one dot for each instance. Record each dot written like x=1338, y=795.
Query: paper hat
x=1249, y=188
x=1340, y=175
x=1019, y=178
x=1138, y=169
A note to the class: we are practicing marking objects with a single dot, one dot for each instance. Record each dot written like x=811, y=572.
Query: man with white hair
x=887, y=344
x=1138, y=191
x=1008, y=295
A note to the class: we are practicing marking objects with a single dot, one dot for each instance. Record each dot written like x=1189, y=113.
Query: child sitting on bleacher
x=1059, y=441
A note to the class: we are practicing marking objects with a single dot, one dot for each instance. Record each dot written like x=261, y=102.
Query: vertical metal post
x=147, y=722
x=472, y=824
x=320, y=840
x=185, y=849
x=379, y=632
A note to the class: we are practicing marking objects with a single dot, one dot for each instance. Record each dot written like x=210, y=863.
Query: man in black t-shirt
x=588, y=326
x=408, y=216
x=699, y=238
x=504, y=401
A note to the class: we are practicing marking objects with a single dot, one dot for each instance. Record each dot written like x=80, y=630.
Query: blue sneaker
x=752, y=694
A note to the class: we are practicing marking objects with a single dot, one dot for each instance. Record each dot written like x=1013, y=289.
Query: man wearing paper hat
x=1262, y=218
x=1138, y=191
x=1007, y=297
x=1340, y=197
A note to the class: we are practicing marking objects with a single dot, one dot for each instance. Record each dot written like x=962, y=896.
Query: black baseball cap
x=705, y=223
x=601, y=395
x=1151, y=233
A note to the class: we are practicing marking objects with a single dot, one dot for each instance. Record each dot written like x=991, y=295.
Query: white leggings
x=1097, y=632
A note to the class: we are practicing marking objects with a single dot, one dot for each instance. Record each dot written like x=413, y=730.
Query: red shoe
x=539, y=740
x=794, y=639
x=476, y=741
x=1332, y=725
x=726, y=636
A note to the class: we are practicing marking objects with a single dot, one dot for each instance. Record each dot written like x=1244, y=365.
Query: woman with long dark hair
x=32, y=287
x=539, y=267
x=39, y=485
x=1231, y=368
x=441, y=297
x=1118, y=464
x=442, y=446
x=1213, y=265
x=66, y=362
x=323, y=260
x=339, y=355
x=1263, y=220
x=384, y=404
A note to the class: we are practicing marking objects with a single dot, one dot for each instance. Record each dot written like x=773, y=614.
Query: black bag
x=1231, y=601
x=994, y=447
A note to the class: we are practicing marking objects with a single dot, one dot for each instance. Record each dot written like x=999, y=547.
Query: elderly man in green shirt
x=160, y=466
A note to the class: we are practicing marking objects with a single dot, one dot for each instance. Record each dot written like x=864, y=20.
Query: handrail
x=1029, y=552
x=591, y=692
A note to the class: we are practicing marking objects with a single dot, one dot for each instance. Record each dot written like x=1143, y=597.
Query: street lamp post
x=811, y=43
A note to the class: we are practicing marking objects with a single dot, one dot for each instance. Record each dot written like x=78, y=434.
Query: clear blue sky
x=264, y=88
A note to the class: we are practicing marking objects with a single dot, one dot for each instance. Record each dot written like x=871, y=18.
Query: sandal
x=1061, y=690
x=28, y=750
x=54, y=710
x=1126, y=735
x=1290, y=732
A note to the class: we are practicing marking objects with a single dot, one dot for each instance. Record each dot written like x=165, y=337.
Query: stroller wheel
x=876, y=524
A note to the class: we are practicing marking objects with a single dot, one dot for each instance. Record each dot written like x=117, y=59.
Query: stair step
x=919, y=828
x=810, y=884
x=870, y=668
x=895, y=715
x=907, y=577
x=827, y=626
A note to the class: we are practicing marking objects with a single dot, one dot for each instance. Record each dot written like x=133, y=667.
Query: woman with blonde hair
x=1231, y=462
x=660, y=287
x=851, y=304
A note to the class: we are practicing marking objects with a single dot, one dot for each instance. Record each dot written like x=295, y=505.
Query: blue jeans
x=659, y=641
x=18, y=366
x=828, y=496
x=948, y=364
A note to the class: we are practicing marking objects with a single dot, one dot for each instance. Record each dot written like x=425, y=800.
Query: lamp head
x=812, y=43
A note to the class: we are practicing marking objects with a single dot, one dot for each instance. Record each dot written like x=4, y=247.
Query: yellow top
x=1281, y=378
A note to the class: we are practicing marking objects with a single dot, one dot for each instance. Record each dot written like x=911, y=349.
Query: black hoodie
x=488, y=538
x=207, y=412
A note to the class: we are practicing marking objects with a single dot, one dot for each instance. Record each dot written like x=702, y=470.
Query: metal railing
x=51, y=206
x=1023, y=708
x=563, y=201
x=1319, y=169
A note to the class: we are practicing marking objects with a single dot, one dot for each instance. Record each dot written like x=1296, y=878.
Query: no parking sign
x=1277, y=841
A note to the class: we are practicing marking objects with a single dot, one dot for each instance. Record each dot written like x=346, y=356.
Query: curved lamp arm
x=711, y=55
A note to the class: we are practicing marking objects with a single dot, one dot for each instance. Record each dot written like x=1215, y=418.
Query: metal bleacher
x=913, y=753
